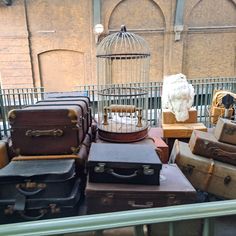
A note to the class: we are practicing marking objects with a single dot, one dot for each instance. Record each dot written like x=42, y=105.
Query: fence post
x=3, y=113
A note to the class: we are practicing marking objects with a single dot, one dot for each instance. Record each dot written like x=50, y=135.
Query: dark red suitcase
x=79, y=101
x=205, y=144
x=124, y=163
x=47, y=130
x=174, y=189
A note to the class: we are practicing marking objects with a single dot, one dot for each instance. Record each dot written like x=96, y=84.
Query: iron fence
x=136, y=218
x=204, y=89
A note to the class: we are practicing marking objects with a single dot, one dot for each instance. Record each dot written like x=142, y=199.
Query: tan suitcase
x=169, y=118
x=205, y=174
x=225, y=131
x=181, y=130
x=4, y=159
x=205, y=144
x=217, y=112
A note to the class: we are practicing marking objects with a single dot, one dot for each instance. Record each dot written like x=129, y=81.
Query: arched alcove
x=61, y=70
x=147, y=20
x=210, y=43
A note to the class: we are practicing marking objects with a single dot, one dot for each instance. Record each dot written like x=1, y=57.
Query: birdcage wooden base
x=123, y=137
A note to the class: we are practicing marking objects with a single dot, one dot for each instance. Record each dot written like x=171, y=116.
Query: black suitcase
x=124, y=163
x=37, y=179
x=21, y=209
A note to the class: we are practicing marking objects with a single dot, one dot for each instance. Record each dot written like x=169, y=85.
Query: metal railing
x=137, y=218
x=204, y=89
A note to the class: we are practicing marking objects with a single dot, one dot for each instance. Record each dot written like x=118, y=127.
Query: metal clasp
x=99, y=168
x=147, y=170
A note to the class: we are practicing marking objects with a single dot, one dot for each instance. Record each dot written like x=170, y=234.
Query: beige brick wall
x=51, y=43
x=15, y=64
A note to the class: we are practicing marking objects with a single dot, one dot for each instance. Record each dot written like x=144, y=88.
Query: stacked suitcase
x=47, y=176
x=128, y=176
x=209, y=159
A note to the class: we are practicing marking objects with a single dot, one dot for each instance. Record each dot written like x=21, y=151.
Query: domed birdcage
x=123, y=60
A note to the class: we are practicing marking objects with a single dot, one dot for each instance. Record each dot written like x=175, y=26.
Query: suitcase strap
x=217, y=152
x=209, y=175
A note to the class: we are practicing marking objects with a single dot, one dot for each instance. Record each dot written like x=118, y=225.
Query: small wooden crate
x=169, y=118
x=181, y=130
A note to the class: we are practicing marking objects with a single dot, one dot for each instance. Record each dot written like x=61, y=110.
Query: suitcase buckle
x=147, y=170
x=99, y=168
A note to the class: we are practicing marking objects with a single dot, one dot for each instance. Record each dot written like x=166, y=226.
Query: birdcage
x=123, y=74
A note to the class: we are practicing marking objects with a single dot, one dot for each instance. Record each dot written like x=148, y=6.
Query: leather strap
x=209, y=175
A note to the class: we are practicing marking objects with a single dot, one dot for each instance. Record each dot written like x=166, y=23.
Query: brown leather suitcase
x=205, y=174
x=47, y=130
x=78, y=101
x=174, y=189
x=4, y=158
x=124, y=163
x=225, y=131
x=205, y=144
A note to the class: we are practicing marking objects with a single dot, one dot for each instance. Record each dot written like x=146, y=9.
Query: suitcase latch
x=189, y=169
x=147, y=170
x=100, y=168
x=227, y=180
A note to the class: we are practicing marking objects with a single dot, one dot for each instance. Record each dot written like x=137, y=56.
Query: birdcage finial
x=122, y=28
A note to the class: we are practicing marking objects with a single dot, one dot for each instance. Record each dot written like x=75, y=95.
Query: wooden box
x=183, y=130
x=169, y=118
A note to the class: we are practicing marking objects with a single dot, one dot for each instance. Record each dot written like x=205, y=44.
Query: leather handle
x=25, y=188
x=38, y=217
x=26, y=193
x=146, y=205
x=39, y=133
x=111, y=171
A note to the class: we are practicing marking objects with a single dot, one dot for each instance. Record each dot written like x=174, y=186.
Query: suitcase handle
x=133, y=204
x=50, y=132
x=125, y=109
x=111, y=171
x=38, y=217
x=33, y=185
x=26, y=193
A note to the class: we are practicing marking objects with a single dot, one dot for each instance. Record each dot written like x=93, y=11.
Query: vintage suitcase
x=205, y=144
x=83, y=102
x=174, y=189
x=225, y=131
x=37, y=179
x=158, y=144
x=24, y=209
x=4, y=158
x=169, y=118
x=205, y=174
x=46, y=130
x=181, y=130
x=123, y=163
